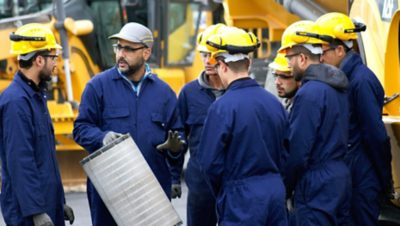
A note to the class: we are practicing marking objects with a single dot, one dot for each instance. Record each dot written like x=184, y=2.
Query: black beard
x=132, y=69
x=297, y=74
x=290, y=94
x=44, y=76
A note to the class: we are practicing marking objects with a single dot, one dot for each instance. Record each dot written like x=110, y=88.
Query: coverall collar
x=349, y=62
x=118, y=75
x=135, y=86
x=28, y=85
x=241, y=82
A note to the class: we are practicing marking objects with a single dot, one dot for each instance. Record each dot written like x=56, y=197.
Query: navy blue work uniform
x=318, y=137
x=242, y=152
x=193, y=103
x=31, y=181
x=369, y=155
x=110, y=102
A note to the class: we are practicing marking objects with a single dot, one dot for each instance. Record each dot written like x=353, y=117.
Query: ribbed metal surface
x=127, y=185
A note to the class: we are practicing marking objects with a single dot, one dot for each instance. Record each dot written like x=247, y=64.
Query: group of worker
x=328, y=155
x=326, y=151
x=339, y=168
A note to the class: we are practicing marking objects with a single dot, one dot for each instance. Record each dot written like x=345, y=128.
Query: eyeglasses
x=118, y=47
x=326, y=50
x=53, y=57
x=282, y=76
x=290, y=56
x=205, y=54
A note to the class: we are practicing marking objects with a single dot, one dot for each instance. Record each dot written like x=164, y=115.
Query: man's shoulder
x=362, y=74
x=14, y=95
x=105, y=75
x=13, y=91
x=159, y=83
x=190, y=86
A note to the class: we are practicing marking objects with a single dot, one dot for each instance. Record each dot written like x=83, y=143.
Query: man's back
x=257, y=124
x=242, y=150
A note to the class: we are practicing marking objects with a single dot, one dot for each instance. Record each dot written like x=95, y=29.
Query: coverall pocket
x=115, y=118
x=117, y=112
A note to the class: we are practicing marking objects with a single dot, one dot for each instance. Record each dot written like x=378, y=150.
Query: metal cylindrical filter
x=127, y=185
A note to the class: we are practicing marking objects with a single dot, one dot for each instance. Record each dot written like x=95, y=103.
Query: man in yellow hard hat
x=315, y=170
x=369, y=156
x=285, y=83
x=193, y=103
x=32, y=192
x=242, y=144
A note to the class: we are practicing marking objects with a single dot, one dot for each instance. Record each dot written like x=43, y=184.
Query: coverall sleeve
x=374, y=137
x=20, y=154
x=175, y=161
x=211, y=154
x=86, y=127
x=304, y=121
x=183, y=113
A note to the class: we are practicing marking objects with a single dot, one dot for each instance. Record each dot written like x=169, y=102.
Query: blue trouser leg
x=98, y=211
x=201, y=202
x=322, y=195
x=256, y=201
x=365, y=204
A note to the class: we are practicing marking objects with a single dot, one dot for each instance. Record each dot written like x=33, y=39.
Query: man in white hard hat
x=129, y=98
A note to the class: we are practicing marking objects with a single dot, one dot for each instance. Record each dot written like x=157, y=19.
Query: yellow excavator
x=378, y=46
x=83, y=28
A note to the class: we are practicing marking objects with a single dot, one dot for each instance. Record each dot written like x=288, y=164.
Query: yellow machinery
x=83, y=27
x=378, y=46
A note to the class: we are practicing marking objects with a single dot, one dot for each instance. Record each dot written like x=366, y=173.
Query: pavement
x=78, y=202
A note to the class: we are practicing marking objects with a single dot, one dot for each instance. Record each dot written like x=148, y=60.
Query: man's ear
x=39, y=61
x=223, y=66
x=340, y=51
x=303, y=59
x=147, y=53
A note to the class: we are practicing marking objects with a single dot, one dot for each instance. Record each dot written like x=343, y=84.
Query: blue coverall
x=369, y=155
x=193, y=103
x=109, y=103
x=318, y=137
x=241, y=153
x=31, y=181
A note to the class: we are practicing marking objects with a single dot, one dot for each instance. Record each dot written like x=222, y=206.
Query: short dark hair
x=26, y=64
x=307, y=52
x=237, y=66
x=337, y=42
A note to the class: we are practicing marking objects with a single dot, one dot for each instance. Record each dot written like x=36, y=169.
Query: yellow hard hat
x=231, y=41
x=32, y=37
x=203, y=36
x=301, y=32
x=280, y=63
x=339, y=26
